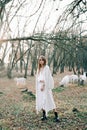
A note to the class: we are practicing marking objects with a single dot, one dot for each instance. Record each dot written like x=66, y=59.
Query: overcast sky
x=27, y=15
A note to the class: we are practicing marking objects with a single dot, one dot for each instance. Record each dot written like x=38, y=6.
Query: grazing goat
x=64, y=81
x=73, y=78
x=82, y=78
x=20, y=81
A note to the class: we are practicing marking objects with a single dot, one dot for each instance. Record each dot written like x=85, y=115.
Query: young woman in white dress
x=44, y=86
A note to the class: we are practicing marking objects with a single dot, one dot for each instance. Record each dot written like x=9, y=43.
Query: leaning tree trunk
x=12, y=63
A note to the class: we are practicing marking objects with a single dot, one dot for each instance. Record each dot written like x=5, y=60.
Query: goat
x=64, y=81
x=82, y=78
x=73, y=78
x=20, y=81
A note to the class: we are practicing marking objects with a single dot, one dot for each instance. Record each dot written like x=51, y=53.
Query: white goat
x=20, y=81
x=73, y=78
x=82, y=78
x=64, y=81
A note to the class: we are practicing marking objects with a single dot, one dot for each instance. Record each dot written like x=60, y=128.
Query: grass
x=59, y=89
x=27, y=96
x=31, y=122
x=17, y=109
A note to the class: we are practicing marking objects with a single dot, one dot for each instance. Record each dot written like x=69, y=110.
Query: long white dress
x=44, y=99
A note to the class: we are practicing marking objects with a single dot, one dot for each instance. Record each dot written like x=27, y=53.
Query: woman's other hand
x=42, y=88
x=42, y=81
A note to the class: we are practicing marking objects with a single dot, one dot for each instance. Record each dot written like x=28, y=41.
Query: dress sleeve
x=49, y=82
x=36, y=80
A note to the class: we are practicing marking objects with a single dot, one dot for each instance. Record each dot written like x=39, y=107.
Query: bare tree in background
x=65, y=40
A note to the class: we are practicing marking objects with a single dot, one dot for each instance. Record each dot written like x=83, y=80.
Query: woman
x=44, y=86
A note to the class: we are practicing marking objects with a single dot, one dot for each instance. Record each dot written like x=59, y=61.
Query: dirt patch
x=17, y=108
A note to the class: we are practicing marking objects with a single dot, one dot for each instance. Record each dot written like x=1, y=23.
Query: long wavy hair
x=39, y=65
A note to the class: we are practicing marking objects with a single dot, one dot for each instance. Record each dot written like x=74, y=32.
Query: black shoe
x=56, y=119
x=44, y=118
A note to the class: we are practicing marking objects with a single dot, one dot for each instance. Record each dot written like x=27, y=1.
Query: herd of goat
x=81, y=79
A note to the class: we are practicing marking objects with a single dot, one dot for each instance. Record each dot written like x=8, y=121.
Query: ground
x=17, y=108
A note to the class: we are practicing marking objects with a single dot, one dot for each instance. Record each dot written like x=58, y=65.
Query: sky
x=26, y=18
x=25, y=21
x=23, y=24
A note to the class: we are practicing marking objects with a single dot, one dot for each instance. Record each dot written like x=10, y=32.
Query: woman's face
x=41, y=61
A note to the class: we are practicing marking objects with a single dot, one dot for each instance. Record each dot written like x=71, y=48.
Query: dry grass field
x=17, y=108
